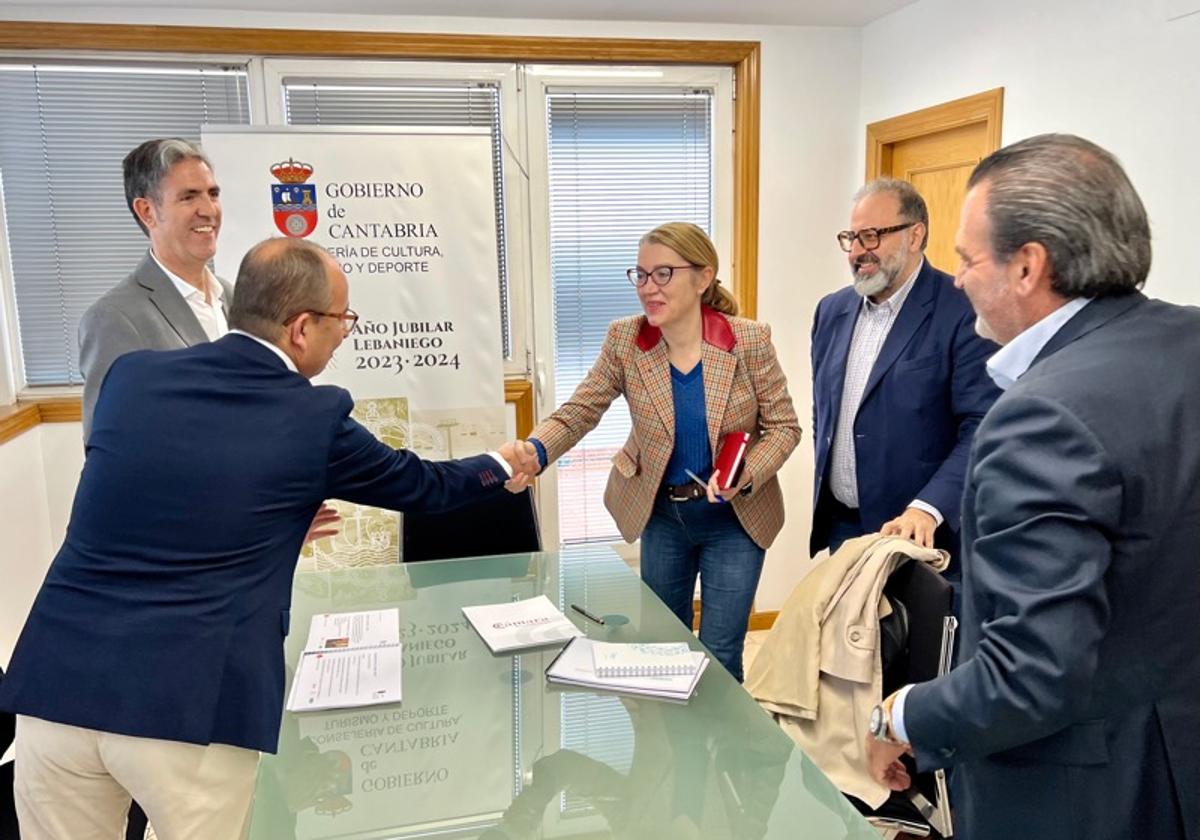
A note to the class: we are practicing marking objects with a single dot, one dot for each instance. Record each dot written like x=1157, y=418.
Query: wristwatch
x=880, y=724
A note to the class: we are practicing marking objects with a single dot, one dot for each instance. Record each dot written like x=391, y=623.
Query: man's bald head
x=279, y=278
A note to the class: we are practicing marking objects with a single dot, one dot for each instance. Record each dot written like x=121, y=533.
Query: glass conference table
x=483, y=747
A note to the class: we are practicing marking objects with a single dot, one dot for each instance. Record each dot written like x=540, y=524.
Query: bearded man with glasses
x=899, y=383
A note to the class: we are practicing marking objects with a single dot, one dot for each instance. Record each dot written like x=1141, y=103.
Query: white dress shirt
x=1005, y=368
x=207, y=307
x=875, y=321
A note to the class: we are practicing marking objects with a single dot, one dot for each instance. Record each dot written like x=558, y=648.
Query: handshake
x=522, y=456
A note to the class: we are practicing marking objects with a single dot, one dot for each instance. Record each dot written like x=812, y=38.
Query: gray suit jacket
x=1074, y=711
x=143, y=312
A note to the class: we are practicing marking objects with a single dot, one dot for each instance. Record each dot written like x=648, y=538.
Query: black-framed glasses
x=660, y=274
x=867, y=237
x=348, y=318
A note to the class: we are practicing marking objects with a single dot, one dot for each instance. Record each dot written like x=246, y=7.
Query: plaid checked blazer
x=744, y=390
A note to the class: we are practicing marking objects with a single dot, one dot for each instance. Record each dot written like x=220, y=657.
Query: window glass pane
x=471, y=103
x=620, y=164
x=65, y=130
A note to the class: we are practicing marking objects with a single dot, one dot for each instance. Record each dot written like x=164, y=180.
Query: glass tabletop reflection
x=483, y=747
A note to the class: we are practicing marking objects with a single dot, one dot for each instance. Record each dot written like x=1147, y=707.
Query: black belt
x=684, y=492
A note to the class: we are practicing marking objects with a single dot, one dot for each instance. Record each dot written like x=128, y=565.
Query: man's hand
x=518, y=483
x=324, y=524
x=883, y=762
x=913, y=524
x=716, y=494
x=522, y=457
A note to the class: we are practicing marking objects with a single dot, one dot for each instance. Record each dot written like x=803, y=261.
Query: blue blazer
x=1074, y=710
x=164, y=613
x=924, y=398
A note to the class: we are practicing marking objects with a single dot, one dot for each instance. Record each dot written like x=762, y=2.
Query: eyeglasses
x=661, y=275
x=348, y=318
x=867, y=237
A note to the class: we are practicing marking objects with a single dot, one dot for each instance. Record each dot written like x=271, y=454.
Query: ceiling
x=779, y=12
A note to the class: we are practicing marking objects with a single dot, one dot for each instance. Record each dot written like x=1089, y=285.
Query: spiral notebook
x=643, y=659
x=574, y=666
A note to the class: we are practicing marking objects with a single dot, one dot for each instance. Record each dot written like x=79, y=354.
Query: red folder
x=729, y=457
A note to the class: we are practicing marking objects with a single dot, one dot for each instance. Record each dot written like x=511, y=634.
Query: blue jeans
x=684, y=539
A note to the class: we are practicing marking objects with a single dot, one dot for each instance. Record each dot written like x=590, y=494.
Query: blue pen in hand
x=702, y=483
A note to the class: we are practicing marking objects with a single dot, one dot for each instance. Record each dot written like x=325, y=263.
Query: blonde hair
x=693, y=244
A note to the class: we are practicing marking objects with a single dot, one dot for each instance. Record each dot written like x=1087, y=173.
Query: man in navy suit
x=898, y=383
x=151, y=663
x=1074, y=710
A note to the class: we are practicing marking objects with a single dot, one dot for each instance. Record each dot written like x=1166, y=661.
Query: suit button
x=855, y=635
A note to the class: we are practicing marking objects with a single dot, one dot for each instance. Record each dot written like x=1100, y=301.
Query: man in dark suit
x=1074, y=711
x=898, y=383
x=152, y=661
x=171, y=299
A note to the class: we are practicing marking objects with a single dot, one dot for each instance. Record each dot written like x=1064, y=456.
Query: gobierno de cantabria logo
x=293, y=200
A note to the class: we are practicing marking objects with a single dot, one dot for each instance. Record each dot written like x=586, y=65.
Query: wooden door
x=936, y=149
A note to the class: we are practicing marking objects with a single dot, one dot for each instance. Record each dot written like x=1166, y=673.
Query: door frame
x=986, y=107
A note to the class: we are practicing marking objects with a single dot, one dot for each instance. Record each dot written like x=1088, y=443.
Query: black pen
x=587, y=614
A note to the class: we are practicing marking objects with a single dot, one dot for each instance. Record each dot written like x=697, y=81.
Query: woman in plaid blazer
x=691, y=372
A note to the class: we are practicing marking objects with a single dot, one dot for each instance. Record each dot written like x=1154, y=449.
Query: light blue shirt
x=1006, y=367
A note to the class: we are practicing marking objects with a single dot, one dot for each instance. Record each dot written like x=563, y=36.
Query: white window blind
x=314, y=101
x=620, y=164
x=64, y=132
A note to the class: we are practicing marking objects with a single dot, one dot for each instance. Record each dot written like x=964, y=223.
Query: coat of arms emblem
x=293, y=200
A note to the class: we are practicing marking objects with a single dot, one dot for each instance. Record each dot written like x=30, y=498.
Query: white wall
x=809, y=165
x=1114, y=71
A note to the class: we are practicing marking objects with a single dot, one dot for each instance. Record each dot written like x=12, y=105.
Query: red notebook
x=729, y=457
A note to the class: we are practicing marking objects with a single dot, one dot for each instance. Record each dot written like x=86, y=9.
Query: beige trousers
x=75, y=784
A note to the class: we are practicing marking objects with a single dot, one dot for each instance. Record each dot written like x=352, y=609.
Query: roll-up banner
x=409, y=214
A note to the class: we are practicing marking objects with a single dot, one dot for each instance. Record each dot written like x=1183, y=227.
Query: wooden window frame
x=742, y=56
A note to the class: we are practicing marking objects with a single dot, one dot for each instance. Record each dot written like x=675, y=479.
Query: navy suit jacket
x=164, y=613
x=1074, y=711
x=925, y=396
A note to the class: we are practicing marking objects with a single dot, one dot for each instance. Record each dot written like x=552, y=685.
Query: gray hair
x=912, y=206
x=146, y=166
x=1073, y=198
x=277, y=280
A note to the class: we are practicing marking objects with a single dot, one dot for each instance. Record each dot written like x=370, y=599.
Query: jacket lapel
x=655, y=370
x=916, y=310
x=842, y=331
x=719, y=367
x=167, y=300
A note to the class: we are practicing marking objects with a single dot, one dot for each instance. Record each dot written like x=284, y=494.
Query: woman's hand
x=717, y=495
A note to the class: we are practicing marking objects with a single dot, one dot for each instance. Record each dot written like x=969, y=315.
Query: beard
x=870, y=285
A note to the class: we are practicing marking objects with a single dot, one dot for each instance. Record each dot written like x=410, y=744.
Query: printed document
x=350, y=660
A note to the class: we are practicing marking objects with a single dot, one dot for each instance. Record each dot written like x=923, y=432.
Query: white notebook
x=575, y=666
x=520, y=624
x=643, y=659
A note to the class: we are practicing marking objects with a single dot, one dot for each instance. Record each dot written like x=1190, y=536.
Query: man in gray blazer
x=1074, y=710
x=171, y=300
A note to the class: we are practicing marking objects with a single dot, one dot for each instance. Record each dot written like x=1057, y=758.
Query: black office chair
x=917, y=641
x=504, y=523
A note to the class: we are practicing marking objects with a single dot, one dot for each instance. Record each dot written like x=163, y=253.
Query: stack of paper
x=350, y=659
x=520, y=624
x=576, y=665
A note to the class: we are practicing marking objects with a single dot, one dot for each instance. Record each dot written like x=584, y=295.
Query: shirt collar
x=186, y=289
x=272, y=347
x=715, y=330
x=1012, y=360
x=893, y=303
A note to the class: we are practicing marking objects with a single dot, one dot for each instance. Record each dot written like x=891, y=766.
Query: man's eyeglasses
x=867, y=237
x=661, y=275
x=348, y=318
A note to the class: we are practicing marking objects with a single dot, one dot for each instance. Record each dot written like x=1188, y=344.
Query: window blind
x=619, y=165
x=312, y=101
x=65, y=130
